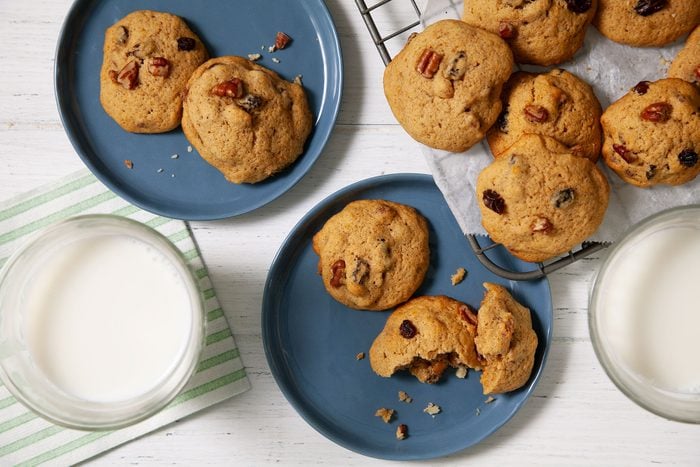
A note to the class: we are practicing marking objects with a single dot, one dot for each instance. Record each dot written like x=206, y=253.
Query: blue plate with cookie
x=163, y=173
x=312, y=342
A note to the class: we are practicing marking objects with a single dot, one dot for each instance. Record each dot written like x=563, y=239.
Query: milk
x=107, y=318
x=649, y=308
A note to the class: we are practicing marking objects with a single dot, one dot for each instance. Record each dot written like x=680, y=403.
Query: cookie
x=244, y=119
x=644, y=23
x=426, y=336
x=540, y=32
x=555, y=104
x=148, y=58
x=373, y=254
x=539, y=200
x=652, y=134
x=506, y=341
x=444, y=87
x=686, y=65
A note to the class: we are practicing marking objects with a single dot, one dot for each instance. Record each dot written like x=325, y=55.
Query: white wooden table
x=576, y=415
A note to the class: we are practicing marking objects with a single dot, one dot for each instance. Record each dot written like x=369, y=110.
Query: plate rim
x=290, y=393
x=69, y=125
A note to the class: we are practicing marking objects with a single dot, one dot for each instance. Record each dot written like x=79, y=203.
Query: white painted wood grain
x=576, y=416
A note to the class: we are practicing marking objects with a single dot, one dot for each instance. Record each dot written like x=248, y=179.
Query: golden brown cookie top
x=686, y=65
x=556, y=104
x=646, y=22
x=444, y=86
x=373, y=254
x=539, y=200
x=148, y=58
x=426, y=333
x=244, y=119
x=506, y=340
x=652, y=133
x=540, y=32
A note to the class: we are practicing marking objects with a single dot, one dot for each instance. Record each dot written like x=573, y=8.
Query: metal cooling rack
x=543, y=269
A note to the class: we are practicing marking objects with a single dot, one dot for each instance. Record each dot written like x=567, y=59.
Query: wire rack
x=380, y=41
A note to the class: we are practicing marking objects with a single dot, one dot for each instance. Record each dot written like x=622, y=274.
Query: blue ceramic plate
x=311, y=340
x=228, y=27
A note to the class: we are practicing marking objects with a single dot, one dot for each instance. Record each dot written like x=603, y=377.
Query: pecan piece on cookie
x=231, y=88
x=159, y=66
x=429, y=63
x=128, y=77
x=338, y=271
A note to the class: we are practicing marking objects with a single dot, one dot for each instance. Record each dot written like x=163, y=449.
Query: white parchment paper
x=612, y=69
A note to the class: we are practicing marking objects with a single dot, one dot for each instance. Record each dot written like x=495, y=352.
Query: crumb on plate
x=384, y=414
x=458, y=276
x=461, y=372
x=360, y=356
x=404, y=397
x=401, y=432
x=432, y=409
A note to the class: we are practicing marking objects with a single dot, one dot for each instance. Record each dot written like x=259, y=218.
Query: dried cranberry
x=658, y=112
x=563, y=198
x=625, y=153
x=578, y=6
x=494, y=202
x=185, y=44
x=468, y=314
x=648, y=7
x=688, y=157
x=641, y=88
x=407, y=329
x=506, y=30
x=697, y=72
x=502, y=121
x=536, y=113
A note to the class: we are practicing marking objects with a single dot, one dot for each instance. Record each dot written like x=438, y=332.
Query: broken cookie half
x=425, y=336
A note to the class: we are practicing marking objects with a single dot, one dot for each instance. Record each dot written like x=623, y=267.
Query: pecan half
x=428, y=63
x=541, y=225
x=231, y=88
x=506, y=30
x=338, y=271
x=282, y=40
x=128, y=77
x=159, y=66
x=457, y=67
x=658, y=112
x=536, y=113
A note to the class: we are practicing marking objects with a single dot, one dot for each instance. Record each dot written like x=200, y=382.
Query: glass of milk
x=101, y=322
x=644, y=314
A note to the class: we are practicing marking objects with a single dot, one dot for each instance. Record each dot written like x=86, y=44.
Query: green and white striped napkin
x=27, y=439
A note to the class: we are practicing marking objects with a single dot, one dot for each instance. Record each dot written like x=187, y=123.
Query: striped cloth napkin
x=25, y=438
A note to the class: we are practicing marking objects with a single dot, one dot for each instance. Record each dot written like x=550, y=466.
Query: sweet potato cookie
x=373, y=254
x=539, y=200
x=541, y=32
x=148, y=58
x=686, y=65
x=644, y=23
x=244, y=119
x=444, y=87
x=425, y=336
x=555, y=104
x=652, y=134
x=506, y=341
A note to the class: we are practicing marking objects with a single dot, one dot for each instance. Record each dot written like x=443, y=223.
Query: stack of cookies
x=242, y=118
x=544, y=194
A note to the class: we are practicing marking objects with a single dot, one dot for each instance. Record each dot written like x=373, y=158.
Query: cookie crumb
x=401, y=432
x=432, y=409
x=189, y=148
x=174, y=156
x=385, y=414
x=478, y=411
x=297, y=80
x=254, y=57
x=275, y=59
x=360, y=356
x=404, y=397
x=458, y=276
x=489, y=400
x=128, y=164
x=461, y=372
x=271, y=49
x=172, y=175
x=159, y=171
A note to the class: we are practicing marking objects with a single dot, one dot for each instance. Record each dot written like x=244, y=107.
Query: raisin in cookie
x=555, y=104
x=686, y=65
x=244, y=119
x=539, y=200
x=645, y=23
x=506, y=341
x=373, y=254
x=444, y=86
x=426, y=336
x=652, y=134
x=148, y=58
x=540, y=32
